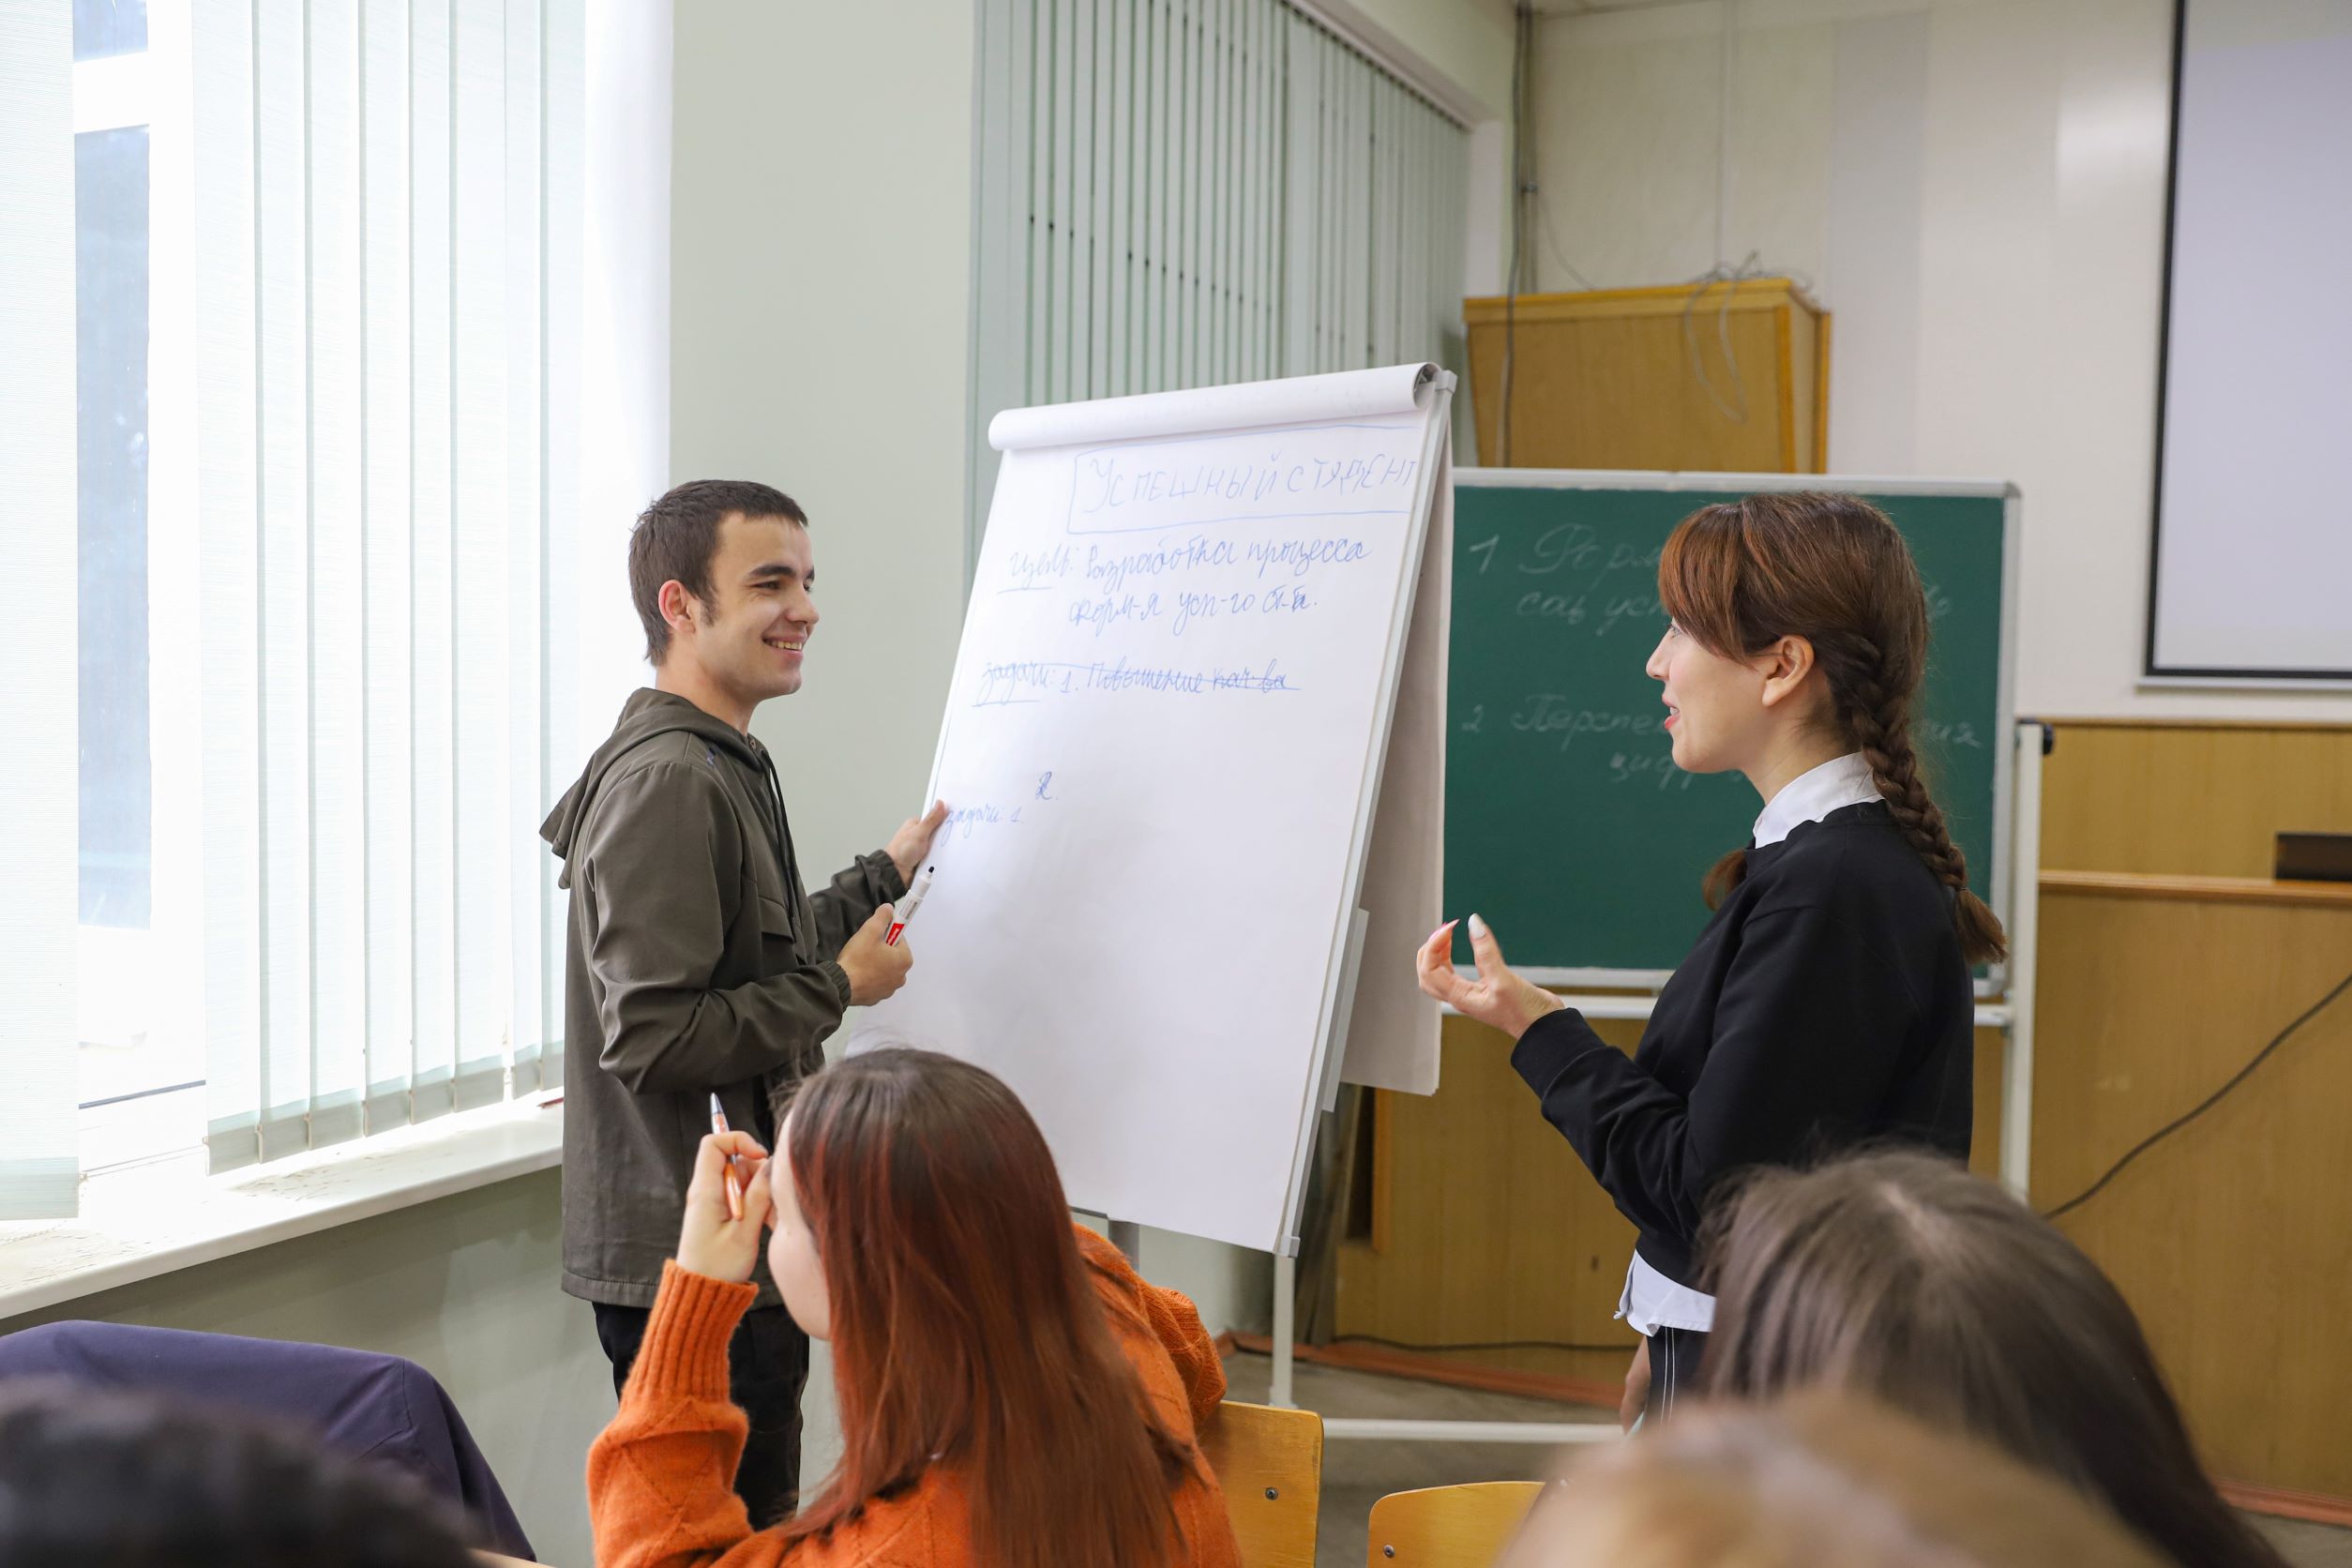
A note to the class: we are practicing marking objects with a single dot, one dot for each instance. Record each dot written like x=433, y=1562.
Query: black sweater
x=1826, y=1005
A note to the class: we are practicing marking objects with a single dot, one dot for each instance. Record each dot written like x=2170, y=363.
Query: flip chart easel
x=1193, y=749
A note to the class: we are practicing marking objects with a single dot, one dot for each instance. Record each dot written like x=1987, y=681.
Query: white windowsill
x=143, y=1220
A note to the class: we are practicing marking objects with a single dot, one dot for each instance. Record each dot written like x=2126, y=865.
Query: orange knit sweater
x=659, y=1477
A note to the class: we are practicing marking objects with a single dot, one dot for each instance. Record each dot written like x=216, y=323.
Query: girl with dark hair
x=1828, y=1001
x=1904, y=1279
x=1011, y=1393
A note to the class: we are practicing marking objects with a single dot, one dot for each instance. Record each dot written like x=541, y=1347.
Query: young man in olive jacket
x=698, y=963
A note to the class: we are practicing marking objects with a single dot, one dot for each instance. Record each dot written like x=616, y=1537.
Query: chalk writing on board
x=1960, y=733
x=1654, y=768
x=1604, y=613
x=1576, y=548
x=1547, y=714
x=1571, y=547
x=1207, y=481
x=1590, y=585
x=1016, y=681
x=1553, y=713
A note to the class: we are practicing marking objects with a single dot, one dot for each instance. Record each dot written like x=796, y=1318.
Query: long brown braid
x=1741, y=576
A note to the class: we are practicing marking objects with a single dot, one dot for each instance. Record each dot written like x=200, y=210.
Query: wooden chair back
x=1271, y=1464
x=1449, y=1527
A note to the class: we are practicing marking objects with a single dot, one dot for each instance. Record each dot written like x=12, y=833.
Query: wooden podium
x=1719, y=378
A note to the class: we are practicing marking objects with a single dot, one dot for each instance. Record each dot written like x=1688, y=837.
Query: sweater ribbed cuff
x=685, y=1352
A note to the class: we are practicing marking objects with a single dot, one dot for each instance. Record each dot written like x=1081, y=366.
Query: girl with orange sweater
x=1011, y=1392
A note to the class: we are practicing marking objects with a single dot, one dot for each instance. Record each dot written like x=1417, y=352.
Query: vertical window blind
x=387, y=211
x=39, y=808
x=333, y=345
x=1175, y=193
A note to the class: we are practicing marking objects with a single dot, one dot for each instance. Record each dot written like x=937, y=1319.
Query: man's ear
x=1785, y=665
x=677, y=608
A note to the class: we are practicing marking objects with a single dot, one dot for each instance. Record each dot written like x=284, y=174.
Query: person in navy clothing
x=1828, y=1001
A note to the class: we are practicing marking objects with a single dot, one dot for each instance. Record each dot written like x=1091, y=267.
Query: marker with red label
x=907, y=906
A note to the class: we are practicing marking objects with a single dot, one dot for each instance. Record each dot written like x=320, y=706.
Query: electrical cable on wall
x=1731, y=278
x=1522, y=186
x=2202, y=1107
x=1724, y=272
x=1560, y=252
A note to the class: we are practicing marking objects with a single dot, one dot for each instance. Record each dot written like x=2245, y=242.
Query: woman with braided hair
x=1827, y=1004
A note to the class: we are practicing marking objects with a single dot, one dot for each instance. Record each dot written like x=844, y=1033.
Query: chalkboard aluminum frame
x=2004, y=761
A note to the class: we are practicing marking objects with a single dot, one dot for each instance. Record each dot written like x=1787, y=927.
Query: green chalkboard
x=1567, y=825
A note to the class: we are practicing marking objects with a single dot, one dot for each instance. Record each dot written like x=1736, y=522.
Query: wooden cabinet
x=1719, y=378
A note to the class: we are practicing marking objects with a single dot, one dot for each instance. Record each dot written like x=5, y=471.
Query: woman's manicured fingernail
x=1478, y=927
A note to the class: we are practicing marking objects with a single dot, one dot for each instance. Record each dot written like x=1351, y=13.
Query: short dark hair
x=677, y=535
x=130, y=1481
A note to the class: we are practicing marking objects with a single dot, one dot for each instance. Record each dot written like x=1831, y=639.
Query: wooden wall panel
x=1492, y=1229
x=2232, y=1238
x=2203, y=800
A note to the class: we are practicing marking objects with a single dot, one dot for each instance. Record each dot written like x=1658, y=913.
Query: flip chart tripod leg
x=1285, y=1325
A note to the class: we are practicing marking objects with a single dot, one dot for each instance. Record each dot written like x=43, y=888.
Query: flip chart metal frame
x=2017, y=873
x=1339, y=993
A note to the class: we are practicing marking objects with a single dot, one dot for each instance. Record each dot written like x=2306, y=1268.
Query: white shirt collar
x=1810, y=797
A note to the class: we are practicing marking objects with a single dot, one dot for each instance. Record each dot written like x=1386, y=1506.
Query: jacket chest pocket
x=777, y=948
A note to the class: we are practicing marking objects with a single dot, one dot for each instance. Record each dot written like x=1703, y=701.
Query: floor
x=1357, y=1474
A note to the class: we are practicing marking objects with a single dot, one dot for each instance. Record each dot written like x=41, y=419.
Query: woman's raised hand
x=713, y=1240
x=1498, y=998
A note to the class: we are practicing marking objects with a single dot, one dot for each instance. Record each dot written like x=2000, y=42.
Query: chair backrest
x=1449, y=1527
x=1271, y=1464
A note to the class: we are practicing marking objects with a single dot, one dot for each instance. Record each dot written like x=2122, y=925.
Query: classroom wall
x=821, y=267
x=1976, y=190
x=465, y=1287
x=821, y=261
x=1465, y=42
